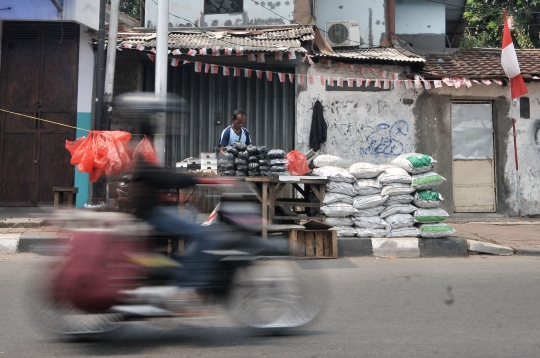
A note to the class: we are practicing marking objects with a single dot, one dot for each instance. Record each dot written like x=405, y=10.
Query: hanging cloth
x=317, y=135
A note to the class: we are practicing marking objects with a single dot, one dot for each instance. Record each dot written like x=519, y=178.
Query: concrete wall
x=375, y=127
x=193, y=10
x=85, y=12
x=369, y=13
x=370, y=127
x=421, y=23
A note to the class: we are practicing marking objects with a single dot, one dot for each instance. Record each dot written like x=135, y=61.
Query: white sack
x=344, y=231
x=332, y=198
x=397, y=189
x=342, y=188
x=368, y=187
x=372, y=232
x=370, y=222
x=338, y=210
x=399, y=199
x=374, y=211
x=366, y=170
x=339, y=221
x=394, y=175
x=327, y=160
x=414, y=163
x=368, y=201
x=400, y=220
x=409, y=231
x=398, y=209
x=335, y=174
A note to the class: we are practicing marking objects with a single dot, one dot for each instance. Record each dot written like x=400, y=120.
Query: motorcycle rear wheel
x=272, y=295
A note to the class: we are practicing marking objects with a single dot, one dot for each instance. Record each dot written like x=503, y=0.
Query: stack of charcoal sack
x=278, y=163
x=428, y=215
x=243, y=160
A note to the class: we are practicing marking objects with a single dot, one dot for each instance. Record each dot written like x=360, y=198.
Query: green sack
x=425, y=181
x=425, y=216
x=435, y=231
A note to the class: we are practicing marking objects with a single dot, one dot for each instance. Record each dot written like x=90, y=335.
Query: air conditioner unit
x=343, y=33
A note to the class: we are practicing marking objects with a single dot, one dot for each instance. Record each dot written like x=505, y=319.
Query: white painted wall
x=420, y=17
x=528, y=143
x=361, y=10
x=82, y=11
x=371, y=127
x=193, y=10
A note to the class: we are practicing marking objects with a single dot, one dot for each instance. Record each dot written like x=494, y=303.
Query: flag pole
x=518, y=193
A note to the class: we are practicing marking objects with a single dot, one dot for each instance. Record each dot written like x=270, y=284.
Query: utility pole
x=162, y=48
x=98, y=187
x=111, y=62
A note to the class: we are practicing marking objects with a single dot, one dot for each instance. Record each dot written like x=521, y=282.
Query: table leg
x=264, y=209
x=272, y=188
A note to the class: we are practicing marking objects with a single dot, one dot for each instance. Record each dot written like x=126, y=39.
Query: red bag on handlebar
x=297, y=164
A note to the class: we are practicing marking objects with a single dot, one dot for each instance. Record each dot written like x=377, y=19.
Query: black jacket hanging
x=317, y=135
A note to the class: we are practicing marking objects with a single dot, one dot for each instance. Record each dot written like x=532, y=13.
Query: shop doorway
x=473, y=164
x=38, y=79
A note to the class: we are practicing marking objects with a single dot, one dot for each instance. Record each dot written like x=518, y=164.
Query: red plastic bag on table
x=146, y=151
x=297, y=164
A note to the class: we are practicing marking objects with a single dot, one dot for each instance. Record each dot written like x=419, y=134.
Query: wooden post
x=265, y=209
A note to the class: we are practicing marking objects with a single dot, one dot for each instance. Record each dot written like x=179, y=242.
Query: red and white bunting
x=359, y=82
x=447, y=82
x=239, y=51
x=350, y=82
x=309, y=59
x=186, y=61
x=437, y=84
x=176, y=52
x=457, y=82
x=361, y=70
x=352, y=67
x=236, y=72
x=259, y=73
x=260, y=57
x=291, y=77
x=311, y=79
x=128, y=45
x=140, y=47
x=228, y=51
x=329, y=63
x=368, y=81
x=330, y=80
x=372, y=70
x=214, y=69
x=386, y=84
x=395, y=76
x=417, y=83
x=192, y=52
x=118, y=48
x=252, y=57
x=396, y=84
x=215, y=50
x=168, y=52
x=152, y=57
x=301, y=79
x=468, y=83
x=198, y=66
x=292, y=55
x=225, y=70
x=499, y=82
x=408, y=84
x=153, y=50
x=340, y=81
x=175, y=62
x=206, y=67
x=281, y=77
x=477, y=82
x=487, y=82
x=202, y=52
x=378, y=83
x=340, y=64
x=321, y=78
x=427, y=84
x=382, y=73
x=269, y=75
x=247, y=72
x=279, y=56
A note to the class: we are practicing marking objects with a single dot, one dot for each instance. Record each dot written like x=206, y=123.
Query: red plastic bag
x=297, y=163
x=147, y=152
x=102, y=152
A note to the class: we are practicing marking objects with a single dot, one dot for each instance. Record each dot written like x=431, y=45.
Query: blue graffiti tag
x=385, y=139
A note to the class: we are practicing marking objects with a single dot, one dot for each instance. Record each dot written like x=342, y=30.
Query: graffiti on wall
x=386, y=139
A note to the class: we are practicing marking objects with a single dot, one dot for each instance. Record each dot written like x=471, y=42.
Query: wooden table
x=267, y=190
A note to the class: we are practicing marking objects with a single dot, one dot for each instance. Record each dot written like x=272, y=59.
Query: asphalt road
x=474, y=307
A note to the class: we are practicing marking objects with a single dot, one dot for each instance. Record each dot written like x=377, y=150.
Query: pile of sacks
x=389, y=200
x=239, y=159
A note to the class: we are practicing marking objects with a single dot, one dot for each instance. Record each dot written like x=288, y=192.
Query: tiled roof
x=272, y=39
x=479, y=63
x=374, y=53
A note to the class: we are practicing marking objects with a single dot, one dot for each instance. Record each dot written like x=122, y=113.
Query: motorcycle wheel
x=272, y=295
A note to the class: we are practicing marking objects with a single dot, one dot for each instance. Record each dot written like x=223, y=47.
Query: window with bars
x=223, y=6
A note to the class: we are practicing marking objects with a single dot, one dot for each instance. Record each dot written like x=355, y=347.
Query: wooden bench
x=59, y=196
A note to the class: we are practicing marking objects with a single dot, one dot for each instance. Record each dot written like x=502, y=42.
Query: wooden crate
x=317, y=244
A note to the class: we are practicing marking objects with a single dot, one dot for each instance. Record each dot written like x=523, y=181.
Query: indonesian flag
x=225, y=70
x=247, y=72
x=321, y=78
x=368, y=81
x=259, y=73
x=206, y=67
x=215, y=50
x=350, y=82
x=140, y=47
x=251, y=57
x=192, y=52
x=269, y=75
x=128, y=45
x=292, y=55
x=198, y=66
x=260, y=57
x=340, y=81
x=487, y=82
x=214, y=69
x=330, y=80
x=359, y=82
x=301, y=79
x=228, y=51
x=153, y=50
x=510, y=63
x=396, y=84
x=176, y=52
x=152, y=57
x=437, y=84
x=281, y=77
x=236, y=71
x=202, y=52
x=351, y=66
x=378, y=83
x=239, y=51
x=279, y=56
x=291, y=77
x=311, y=80
x=175, y=62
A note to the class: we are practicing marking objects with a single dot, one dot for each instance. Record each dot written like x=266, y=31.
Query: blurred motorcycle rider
x=148, y=180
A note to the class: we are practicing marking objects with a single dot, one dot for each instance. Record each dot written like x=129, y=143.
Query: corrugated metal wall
x=270, y=108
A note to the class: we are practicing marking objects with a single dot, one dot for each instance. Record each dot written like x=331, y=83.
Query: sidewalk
x=479, y=235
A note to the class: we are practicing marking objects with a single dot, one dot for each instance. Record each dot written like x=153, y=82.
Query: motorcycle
x=113, y=272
